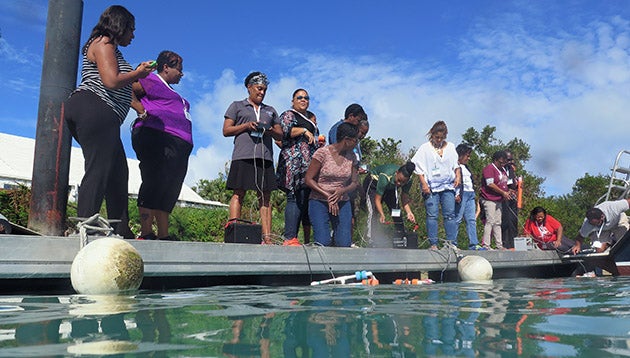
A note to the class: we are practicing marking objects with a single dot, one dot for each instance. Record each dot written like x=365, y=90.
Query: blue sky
x=555, y=74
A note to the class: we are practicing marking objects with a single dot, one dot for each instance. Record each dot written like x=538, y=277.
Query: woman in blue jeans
x=439, y=174
x=299, y=143
x=331, y=176
x=465, y=201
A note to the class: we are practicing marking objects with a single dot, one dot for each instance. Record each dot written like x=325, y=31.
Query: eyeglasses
x=303, y=97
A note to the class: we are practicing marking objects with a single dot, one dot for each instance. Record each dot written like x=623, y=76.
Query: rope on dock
x=92, y=226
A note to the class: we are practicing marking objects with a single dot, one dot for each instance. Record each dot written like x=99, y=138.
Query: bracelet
x=305, y=130
x=143, y=115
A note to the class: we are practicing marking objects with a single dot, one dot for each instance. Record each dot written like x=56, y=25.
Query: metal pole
x=51, y=164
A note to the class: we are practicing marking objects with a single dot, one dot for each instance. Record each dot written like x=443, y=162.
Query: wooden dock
x=42, y=263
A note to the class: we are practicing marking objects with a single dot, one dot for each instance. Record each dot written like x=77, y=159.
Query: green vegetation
x=207, y=225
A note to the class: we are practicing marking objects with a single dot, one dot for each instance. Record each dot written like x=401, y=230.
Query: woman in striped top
x=95, y=111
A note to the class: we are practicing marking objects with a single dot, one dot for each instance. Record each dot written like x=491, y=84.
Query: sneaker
x=149, y=236
x=477, y=248
x=292, y=242
x=487, y=248
x=433, y=248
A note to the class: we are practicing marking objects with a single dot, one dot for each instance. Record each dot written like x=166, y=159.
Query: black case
x=403, y=239
x=242, y=232
x=409, y=240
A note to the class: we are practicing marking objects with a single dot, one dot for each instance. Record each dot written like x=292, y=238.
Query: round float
x=474, y=268
x=107, y=266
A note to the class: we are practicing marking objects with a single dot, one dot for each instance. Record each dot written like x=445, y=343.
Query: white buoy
x=474, y=268
x=107, y=266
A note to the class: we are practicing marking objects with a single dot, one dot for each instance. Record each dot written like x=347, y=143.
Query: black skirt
x=245, y=174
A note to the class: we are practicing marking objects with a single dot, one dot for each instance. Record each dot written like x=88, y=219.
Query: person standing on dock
x=250, y=122
x=604, y=225
x=299, y=142
x=494, y=190
x=95, y=111
x=465, y=200
x=439, y=174
x=509, y=209
x=331, y=176
x=162, y=139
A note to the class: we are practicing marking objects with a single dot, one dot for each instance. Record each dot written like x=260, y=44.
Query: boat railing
x=619, y=185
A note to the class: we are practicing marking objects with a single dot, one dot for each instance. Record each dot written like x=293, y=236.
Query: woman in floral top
x=299, y=142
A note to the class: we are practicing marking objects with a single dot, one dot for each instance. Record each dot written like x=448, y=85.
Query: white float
x=107, y=266
x=474, y=268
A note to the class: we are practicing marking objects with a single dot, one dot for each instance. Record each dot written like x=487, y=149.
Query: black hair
x=535, y=211
x=346, y=130
x=593, y=214
x=356, y=110
x=298, y=90
x=463, y=149
x=407, y=169
x=169, y=58
x=499, y=154
x=114, y=23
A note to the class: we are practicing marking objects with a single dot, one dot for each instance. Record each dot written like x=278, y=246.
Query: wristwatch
x=143, y=115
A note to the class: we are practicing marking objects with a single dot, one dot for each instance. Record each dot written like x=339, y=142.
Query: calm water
x=511, y=317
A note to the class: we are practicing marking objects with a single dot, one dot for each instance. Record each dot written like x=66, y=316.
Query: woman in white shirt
x=439, y=174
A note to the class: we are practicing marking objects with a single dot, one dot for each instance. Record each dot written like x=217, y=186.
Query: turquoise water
x=509, y=317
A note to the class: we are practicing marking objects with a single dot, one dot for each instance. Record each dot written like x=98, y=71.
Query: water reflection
x=564, y=317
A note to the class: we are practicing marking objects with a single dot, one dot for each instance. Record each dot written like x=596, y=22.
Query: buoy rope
x=93, y=224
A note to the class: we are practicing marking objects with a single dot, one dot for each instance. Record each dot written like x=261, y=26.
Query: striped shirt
x=119, y=99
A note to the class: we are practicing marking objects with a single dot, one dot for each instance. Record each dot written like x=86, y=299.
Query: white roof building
x=16, y=167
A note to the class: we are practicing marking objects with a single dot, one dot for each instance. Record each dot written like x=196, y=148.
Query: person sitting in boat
x=331, y=175
x=604, y=225
x=381, y=185
x=546, y=231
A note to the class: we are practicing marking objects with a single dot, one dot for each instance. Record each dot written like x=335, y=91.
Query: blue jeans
x=445, y=199
x=322, y=220
x=295, y=212
x=466, y=210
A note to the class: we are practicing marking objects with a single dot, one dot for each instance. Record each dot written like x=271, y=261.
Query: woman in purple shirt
x=162, y=139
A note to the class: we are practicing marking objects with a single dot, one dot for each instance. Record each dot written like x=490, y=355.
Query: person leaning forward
x=604, y=225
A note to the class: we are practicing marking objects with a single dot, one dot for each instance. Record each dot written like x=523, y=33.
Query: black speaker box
x=242, y=232
x=408, y=240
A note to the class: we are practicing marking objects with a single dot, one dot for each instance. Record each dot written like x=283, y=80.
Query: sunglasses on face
x=303, y=97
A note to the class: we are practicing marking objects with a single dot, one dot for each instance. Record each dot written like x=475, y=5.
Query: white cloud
x=565, y=95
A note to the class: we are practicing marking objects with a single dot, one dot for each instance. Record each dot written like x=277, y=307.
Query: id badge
x=395, y=213
x=435, y=172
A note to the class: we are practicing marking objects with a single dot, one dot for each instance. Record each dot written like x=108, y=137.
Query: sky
x=555, y=74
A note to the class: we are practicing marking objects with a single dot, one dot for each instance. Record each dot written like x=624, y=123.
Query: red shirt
x=546, y=233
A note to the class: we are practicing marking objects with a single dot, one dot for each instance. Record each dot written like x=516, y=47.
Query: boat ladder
x=619, y=185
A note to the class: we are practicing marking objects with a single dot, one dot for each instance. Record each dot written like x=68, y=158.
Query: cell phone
x=153, y=63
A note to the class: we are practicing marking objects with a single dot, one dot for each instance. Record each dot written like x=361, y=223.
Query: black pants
x=509, y=223
x=163, y=165
x=96, y=128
